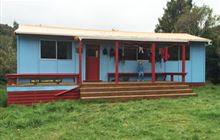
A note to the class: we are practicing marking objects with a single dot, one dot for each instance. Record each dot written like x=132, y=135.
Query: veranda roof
x=109, y=34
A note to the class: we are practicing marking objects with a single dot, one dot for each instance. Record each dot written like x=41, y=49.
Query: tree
x=6, y=30
x=15, y=25
x=198, y=21
x=213, y=55
x=7, y=51
x=175, y=8
x=183, y=16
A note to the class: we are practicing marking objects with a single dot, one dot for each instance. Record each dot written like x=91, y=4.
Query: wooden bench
x=12, y=78
x=132, y=74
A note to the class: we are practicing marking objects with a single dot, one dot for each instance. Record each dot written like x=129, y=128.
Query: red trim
x=66, y=91
x=12, y=78
x=153, y=47
x=31, y=97
x=116, y=61
x=183, y=62
x=80, y=62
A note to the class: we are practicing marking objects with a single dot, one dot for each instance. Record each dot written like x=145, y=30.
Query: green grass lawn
x=183, y=118
x=3, y=96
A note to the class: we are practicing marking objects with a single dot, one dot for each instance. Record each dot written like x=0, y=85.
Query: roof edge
x=109, y=34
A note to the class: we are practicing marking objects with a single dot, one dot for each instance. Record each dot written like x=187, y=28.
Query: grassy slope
x=185, y=118
x=3, y=96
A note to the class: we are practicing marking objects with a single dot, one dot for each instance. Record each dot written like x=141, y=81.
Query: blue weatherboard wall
x=28, y=60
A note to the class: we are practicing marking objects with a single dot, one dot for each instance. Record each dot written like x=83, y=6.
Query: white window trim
x=55, y=59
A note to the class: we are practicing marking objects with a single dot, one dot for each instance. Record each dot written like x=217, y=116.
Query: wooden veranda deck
x=29, y=93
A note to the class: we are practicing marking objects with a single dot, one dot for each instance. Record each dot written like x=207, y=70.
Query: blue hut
x=60, y=61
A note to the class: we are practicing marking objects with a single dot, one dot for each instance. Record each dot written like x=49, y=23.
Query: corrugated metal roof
x=108, y=34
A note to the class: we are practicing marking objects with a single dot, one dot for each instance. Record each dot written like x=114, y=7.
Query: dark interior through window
x=130, y=53
x=187, y=53
x=64, y=50
x=175, y=53
x=56, y=50
x=48, y=49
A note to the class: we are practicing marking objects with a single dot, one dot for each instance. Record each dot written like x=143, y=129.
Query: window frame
x=56, y=59
x=180, y=53
x=57, y=50
x=136, y=46
x=41, y=49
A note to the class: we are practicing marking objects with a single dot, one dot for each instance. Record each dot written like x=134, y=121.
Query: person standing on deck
x=140, y=69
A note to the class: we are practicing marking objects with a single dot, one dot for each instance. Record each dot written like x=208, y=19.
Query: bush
x=3, y=80
x=213, y=65
x=7, y=51
x=3, y=98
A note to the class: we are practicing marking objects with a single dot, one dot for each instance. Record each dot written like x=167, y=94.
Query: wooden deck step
x=134, y=92
x=139, y=97
x=133, y=87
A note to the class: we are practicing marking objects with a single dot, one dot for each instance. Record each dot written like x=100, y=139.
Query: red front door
x=92, y=62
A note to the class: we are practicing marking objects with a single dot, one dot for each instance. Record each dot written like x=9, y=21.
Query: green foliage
x=7, y=51
x=6, y=30
x=15, y=25
x=7, y=56
x=213, y=55
x=183, y=118
x=172, y=13
x=3, y=97
x=198, y=21
x=183, y=16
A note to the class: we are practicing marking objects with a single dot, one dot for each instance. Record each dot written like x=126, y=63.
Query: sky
x=125, y=15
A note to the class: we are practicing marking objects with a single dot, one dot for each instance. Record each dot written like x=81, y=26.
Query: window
x=176, y=53
x=48, y=49
x=130, y=53
x=187, y=53
x=64, y=50
x=145, y=55
x=147, y=51
x=56, y=50
x=91, y=52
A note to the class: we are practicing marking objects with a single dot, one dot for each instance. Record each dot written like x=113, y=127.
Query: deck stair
x=133, y=90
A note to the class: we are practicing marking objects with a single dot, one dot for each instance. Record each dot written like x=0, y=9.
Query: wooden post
x=80, y=63
x=11, y=81
x=153, y=47
x=116, y=62
x=77, y=80
x=183, y=62
x=171, y=77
